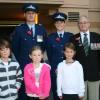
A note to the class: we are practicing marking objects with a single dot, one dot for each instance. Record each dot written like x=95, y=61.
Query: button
x=61, y=45
x=62, y=57
x=62, y=51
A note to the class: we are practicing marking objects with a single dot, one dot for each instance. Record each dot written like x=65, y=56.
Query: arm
x=19, y=77
x=16, y=43
x=59, y=81
x=48, y=49
x=81, y=83
x=44, y=33
x=30, y=82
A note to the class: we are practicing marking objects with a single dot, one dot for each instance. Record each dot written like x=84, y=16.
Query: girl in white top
x=70, y=81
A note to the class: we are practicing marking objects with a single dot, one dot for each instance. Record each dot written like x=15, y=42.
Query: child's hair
x=4, y=43
x=69, y=45
x=36, y=47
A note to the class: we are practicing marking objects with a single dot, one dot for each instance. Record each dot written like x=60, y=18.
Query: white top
x=37, y=72
x=88, y=36
x=70, y=79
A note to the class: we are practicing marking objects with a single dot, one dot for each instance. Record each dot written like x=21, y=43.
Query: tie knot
x=85, y=34
x=60, y=35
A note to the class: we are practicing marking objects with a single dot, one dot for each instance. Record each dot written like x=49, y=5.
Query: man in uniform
x=54, y=45
x=27, y=35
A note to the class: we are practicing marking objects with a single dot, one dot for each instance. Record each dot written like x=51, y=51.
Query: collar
x=82, y=33
x=61, y=32
x=1, y=61
x=31, y=26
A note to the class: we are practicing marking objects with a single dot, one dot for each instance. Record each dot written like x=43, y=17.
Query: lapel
x=78, y=39
x=27, y=30
x=91, y=37
x=78, y=42
x=36, y=29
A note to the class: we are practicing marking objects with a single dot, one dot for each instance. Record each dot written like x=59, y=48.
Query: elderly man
x=88, y=53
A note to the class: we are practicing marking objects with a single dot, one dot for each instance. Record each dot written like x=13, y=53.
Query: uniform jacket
x=44, y=81
x=91, y=62
x=22, y=42
x=54, y=46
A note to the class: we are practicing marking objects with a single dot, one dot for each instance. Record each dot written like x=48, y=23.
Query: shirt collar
x=1, y=61
x=60, y=33
x=31, y=26
x=82, y=33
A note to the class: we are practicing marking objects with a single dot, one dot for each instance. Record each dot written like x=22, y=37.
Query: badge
x=95, y=46
x=39, y=38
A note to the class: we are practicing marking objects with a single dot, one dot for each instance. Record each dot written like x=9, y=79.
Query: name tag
x=39, y=38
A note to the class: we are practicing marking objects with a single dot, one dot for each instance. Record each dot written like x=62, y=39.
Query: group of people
x=73, y=69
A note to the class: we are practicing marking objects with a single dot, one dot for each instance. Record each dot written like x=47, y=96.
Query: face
x=84, y=24
x=36, y=56
x=60, y=25
x=69, y=53
x=4, y=53
x=30, y=16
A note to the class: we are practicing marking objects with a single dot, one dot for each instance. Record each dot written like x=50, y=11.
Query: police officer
x=25, y=36
x=54, y=45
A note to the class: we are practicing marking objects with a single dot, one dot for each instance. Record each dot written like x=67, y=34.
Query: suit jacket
x=91, y=62
x=54, y=47
x=23, y=40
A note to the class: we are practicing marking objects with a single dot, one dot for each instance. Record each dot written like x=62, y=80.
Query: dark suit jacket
x=91, y=62
x=54, y=47
x=22, y=42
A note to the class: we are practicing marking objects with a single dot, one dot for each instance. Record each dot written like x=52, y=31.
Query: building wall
x=91, y=8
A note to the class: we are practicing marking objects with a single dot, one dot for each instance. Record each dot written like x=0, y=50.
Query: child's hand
x=60, y=97
x=42, y=97
x=80, y=98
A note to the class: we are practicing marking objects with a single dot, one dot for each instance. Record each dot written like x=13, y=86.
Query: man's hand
x=42, y=97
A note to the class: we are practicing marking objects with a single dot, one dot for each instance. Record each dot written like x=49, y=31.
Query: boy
x=10, y=73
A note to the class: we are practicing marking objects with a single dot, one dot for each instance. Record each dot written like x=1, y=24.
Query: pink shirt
x=44, y=80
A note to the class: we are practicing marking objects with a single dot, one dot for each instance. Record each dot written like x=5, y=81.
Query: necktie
x=85, y=44
x=32, y=32
x=60, y=35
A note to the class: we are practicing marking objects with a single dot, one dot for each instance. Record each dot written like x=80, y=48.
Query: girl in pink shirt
x=37, y=76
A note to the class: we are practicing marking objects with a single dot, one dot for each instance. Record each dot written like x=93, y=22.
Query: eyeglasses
x=83, y=23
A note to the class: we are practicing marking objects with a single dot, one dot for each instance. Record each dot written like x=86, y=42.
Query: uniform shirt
x=70, y=78
x=23, y=41
x=54, y=47
x=61, y=33
x=33, y=28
